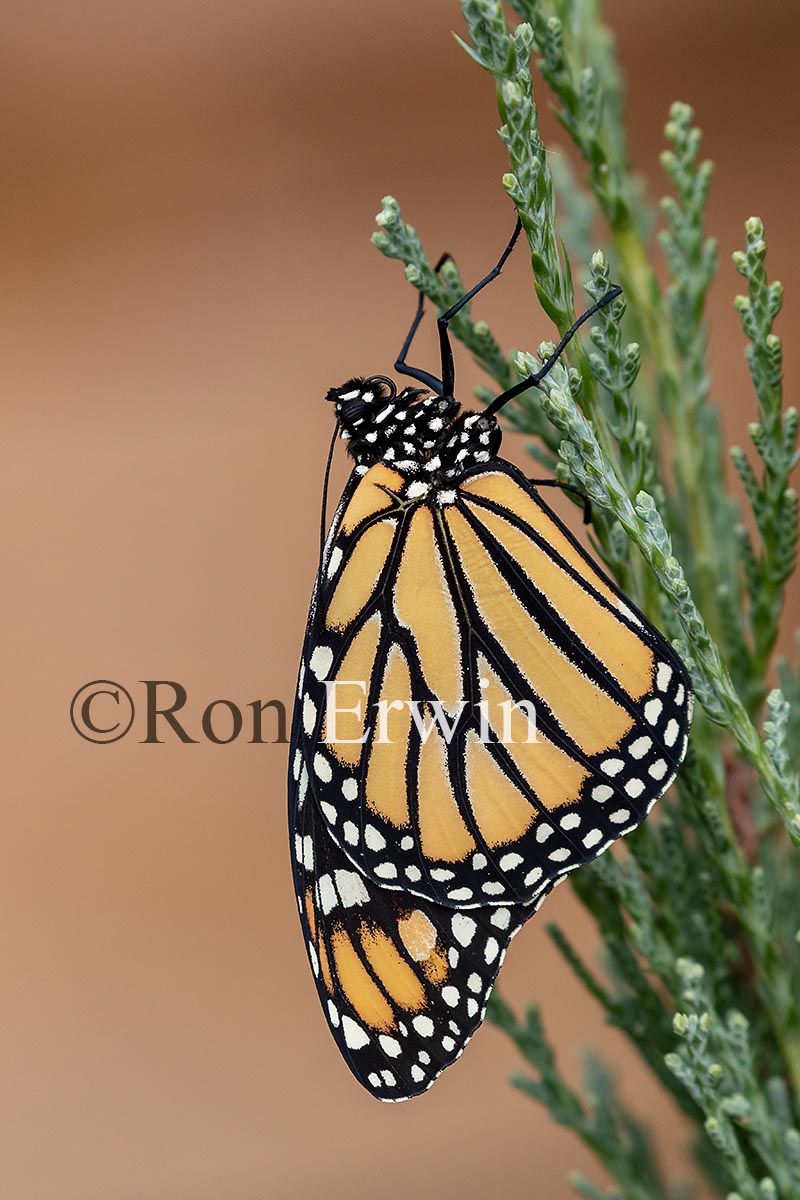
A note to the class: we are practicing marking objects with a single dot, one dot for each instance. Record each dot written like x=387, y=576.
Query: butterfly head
x=378, y=422
x=359, y=401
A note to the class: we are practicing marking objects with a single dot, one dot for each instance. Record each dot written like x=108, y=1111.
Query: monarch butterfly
x=429, y=816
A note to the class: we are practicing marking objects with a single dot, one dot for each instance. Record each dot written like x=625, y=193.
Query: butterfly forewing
x=434, y=621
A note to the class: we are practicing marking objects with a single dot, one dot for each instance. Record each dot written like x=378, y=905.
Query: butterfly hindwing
x=403, y=982
x=469, y=606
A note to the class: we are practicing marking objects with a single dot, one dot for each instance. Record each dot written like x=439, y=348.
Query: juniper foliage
x=697, y=914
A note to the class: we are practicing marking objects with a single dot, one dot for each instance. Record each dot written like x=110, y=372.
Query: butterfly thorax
x=419, y=434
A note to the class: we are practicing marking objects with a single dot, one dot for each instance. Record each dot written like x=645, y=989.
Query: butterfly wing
x=485, y=600
x=403, y=982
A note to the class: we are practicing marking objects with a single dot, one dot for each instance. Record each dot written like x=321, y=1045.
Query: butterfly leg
x=568, y=487
x=445, y=385
x=401, y=365
x=535, y=379
x=448, y=366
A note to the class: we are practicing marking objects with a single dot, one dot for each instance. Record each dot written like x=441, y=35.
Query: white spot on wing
x=374, y=838
x=463, y=928
x=320, y=661
x=334, y=561
x=322, y=768
x=640, y=747
x=559, y=855
x=354, y=1035
x=308, y=715
x=626, y=612
x=351, y=888
x=328, y=898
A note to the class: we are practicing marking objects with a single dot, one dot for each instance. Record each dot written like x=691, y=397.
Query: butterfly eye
x=350, y=411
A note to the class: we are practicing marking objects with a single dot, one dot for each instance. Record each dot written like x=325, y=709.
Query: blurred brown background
x=188, y=192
